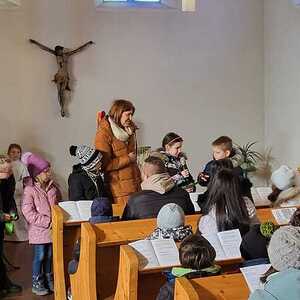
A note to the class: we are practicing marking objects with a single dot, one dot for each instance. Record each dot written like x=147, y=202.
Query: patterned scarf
x=178, y=233
x=92, y=174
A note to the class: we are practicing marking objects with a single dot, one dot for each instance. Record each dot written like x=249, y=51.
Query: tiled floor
x=20, y=254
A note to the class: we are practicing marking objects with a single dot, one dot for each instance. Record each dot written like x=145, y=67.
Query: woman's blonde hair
x=118, y=107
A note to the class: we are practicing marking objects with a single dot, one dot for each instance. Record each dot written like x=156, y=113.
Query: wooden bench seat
x=135, y=284
x=64, y=236
x=102, y=244
x=225, y=287
x=108, y=238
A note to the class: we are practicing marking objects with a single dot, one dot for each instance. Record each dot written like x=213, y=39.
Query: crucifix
x=61, y=78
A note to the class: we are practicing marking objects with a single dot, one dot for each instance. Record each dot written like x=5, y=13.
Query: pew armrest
x=58, y=253
x=184, y=290
x=127, y=286
x=83, y=282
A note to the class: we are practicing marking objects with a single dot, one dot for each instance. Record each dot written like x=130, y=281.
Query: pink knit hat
x=35, y=164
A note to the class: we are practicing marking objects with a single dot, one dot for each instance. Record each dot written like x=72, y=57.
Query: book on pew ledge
x=76, y=210
x=252, y=275
x=292, y=202
x=226, y=244
x=260, y=196
x=156, y=253
x=283, y=215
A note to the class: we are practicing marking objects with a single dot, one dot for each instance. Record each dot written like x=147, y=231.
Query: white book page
x=71, y=212
x=255, y=196
x=84, y=208
x=252, y=276
x=292, y=202
x=194, y=199
x=260, y=195
x=283, y=215
x=215, y=242
x=145, y=253
x=231, y=241
x=263, y=193
x=166, y=252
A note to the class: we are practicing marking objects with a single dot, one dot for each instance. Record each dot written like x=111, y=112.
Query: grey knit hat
x=284, y=248
x=87, y=156
x=170, y=216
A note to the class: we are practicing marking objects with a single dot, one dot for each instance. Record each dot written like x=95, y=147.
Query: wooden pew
x=128, y=274
x=226, y=287
x=109, y=237
x=64, y=236
x=265, y=214
x=131, y=282
x=134, y=284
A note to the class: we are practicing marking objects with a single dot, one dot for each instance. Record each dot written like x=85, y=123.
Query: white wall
x=199, y=74
x=282, y=80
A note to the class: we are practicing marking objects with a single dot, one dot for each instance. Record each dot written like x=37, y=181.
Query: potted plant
x=247, y=157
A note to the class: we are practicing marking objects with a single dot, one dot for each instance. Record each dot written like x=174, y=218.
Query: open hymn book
x=260, y=196
x=283, y=215
x=76, y=210
x=156, y=253
x=226, y=244
x=252, y=275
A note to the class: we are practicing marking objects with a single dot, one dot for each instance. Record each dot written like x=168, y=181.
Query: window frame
x=102, y=5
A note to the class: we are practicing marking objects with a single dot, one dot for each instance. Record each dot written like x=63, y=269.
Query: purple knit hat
x=35, y=164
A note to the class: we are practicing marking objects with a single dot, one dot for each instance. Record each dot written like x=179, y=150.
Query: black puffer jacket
x=254, y=244
x=7, y=201
x=82, y=187
x=147, y=204
x=7, y=206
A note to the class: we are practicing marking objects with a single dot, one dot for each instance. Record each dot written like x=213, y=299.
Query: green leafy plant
x=247, y=157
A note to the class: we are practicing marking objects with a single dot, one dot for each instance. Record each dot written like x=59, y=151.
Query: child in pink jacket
x=40, y=193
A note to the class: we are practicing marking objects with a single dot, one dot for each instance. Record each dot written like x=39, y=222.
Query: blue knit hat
x=101, y=207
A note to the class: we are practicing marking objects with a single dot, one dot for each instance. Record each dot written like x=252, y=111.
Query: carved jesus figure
x=61, y=78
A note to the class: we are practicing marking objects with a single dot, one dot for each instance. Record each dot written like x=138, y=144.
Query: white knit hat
x=170, y=216
x=283, y=178
x=284, y=248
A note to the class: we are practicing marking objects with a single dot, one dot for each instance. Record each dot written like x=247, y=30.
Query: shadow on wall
x=140, y=133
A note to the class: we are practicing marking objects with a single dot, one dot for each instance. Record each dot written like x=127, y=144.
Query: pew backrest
x=111, y=236
x=227, y=287
x=64, y=236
